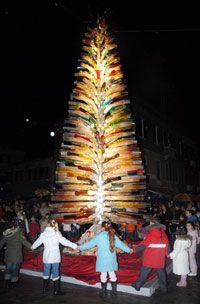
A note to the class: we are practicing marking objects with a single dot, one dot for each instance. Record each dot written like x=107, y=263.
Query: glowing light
x=52, y=133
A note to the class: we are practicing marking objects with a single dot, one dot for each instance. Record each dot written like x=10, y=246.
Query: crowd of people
x=34, y=218
x=170, y=231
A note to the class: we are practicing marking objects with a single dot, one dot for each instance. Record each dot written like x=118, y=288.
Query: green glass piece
x=92, y=120
x=106, y=102
x=116, y=122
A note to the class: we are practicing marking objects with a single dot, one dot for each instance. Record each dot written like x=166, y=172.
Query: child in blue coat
x=107, y=242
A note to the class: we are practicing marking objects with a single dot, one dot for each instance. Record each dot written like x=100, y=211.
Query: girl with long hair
x=106, y=241
x=51, y=238
x=180, y=257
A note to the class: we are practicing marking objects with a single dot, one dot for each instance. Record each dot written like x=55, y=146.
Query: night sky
x=41, y=44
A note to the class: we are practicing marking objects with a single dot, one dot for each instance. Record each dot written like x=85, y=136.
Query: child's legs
x=55, y=271
x=144, y=272
x=184, y=278
x=182, y=282
x=15, y=272
x=103, y=277
x=198, y=256
x=193, y=263
x=112, y=276
x=162, y=278
x=47, y=270
x=8, y=273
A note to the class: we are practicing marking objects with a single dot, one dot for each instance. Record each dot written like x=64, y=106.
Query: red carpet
x=83, y=267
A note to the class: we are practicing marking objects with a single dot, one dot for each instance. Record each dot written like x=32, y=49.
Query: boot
x=45, y=285
x=103, y=290
x=114, y=289
x=14, y=282
x=7, y=284
x=182, y=282
x=57, y=289
x=134, y=285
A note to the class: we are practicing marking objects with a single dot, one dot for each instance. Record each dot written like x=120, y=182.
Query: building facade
x=20, y=177
x=171, y=159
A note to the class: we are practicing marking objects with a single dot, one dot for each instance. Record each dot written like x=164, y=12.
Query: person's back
x=50, y=238
x=14, y=240
x=155, y=248
x=180, y=257
x=34, y=229
x=157, y=243
x=106, y=262
x=13, y=244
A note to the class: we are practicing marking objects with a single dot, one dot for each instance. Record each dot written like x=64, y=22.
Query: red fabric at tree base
x=83, y=267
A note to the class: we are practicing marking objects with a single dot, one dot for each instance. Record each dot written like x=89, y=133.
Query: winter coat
x=155, y=246
x=51, y=239
x=195, y=240
x=180, y=256
x=193, y=218
x=106, y=260
x=34, y=230
x=14, y=240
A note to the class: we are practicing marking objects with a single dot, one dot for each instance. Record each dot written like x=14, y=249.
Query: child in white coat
x=192, y=232
x=51, y=238
x=180, y=257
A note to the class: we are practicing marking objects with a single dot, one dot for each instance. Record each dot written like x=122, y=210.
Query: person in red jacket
x=34, y=229
x=155, y=247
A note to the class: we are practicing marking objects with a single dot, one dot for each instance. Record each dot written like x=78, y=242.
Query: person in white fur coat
x=51, y=238
x=180, y=257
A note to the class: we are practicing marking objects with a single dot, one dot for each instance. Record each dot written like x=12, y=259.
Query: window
x=46, y=172
x=175, y=174
x=29, y=174
x=19, y=176
x=170, y=172
x=172, y=141
x=138, y=123
x=182, y=176
x=180, y=147
x=43, y=173
x=167, y=172
x=35, y=173
x=156, y=135
x=158, y=169
x=165, y=139
x=16, y=176
x=144, y=128
x=141, y=126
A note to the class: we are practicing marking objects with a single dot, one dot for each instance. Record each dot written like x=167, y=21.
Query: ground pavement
x=29, y=292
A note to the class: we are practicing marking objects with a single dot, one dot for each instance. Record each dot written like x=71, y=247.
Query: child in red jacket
x=155, y=246
x=34, y=229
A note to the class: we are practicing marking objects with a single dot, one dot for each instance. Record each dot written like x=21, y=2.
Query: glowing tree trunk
x=100, y=172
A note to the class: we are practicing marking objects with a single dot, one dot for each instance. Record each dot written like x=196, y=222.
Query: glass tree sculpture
x=99, y=173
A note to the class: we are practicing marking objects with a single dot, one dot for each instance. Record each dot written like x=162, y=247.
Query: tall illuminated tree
x=100, y=165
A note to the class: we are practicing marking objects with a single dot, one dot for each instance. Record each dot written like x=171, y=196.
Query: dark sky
x=40, y=45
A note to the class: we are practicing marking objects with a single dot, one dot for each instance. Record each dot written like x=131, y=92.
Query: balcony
x=169, y=152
